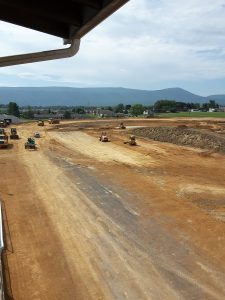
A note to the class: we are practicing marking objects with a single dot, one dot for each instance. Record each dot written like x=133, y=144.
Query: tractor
x=53, y=121
x=41, y=123
x=3, y=140
x=13, y=134
x=103, y=137
x=30, y=144
x=131, y=141
x=122, y=126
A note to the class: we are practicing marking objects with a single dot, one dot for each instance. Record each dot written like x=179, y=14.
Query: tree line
x=160, y=106
x=163, y=106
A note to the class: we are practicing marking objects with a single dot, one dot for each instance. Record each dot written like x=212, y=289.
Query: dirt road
x=91, y=220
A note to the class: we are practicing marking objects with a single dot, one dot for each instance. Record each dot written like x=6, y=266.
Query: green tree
x=119, y=108
x=213, y=104
x=137, y=109
x=165, y=105
x=78, y=110
x=29, y=114
x=67, y=115
x=13, y=109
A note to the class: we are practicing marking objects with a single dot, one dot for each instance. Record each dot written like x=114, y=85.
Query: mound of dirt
x=184, y=137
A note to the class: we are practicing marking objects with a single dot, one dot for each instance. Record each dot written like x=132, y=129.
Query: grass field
x=193, y=115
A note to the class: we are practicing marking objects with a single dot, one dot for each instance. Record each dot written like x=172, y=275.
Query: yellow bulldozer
x=3, y=140
x=103, y=137
x=13, y=134
x=122, y=126
x=53, y=121
x=41, y=123
x=131, y=141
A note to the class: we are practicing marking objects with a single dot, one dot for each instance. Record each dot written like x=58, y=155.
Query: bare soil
x=90, y=220
x=184, y=136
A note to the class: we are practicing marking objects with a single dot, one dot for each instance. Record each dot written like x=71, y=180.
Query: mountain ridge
x=97, y=96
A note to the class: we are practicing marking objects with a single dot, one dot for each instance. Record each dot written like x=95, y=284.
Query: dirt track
x=91, y=220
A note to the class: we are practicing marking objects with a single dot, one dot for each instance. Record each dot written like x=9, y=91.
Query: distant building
x=195, y=110
x=104, y=113
x=148, y=113
x=212, y=109
x=47, y=116
x=221, y=108
x=11, y=118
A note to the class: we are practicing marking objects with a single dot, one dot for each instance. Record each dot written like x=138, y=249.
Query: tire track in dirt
x=104, y=152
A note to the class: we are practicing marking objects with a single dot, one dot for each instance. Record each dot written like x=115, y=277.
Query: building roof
x=13, y=118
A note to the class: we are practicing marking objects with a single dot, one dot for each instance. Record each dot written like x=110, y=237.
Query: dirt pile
x=183, y=136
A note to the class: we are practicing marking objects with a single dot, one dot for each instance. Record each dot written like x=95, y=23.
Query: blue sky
x=147, y=44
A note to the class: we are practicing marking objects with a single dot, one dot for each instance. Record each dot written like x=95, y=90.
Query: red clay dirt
x=91, y=220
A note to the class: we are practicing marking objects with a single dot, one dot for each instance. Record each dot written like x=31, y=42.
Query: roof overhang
x=68, y=19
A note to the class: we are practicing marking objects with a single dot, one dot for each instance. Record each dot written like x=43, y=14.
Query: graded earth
x=85, y=219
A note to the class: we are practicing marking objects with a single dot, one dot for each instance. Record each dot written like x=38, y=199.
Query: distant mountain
x=218, y=98
x=49, y=96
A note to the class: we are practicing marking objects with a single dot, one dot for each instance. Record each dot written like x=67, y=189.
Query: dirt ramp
x=184, y=137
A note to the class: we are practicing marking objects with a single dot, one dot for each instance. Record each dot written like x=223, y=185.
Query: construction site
x=139, y=215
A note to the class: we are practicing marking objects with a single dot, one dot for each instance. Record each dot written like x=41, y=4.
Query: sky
x=147, y=44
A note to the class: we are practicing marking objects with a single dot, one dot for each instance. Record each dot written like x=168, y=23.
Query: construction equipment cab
x=41, y=123
x=3, y=124
x=103, y=137
x=30, y=144
x=13, y=134
x=3, y=141
x=122, y=126
x=53, y=121
x=131, y=141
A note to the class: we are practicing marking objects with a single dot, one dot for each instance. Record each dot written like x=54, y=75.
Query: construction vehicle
x=53, y=121
x=2, y=131
x=3, y=124
x=14, y=135
x=3, y=140
x=30, y=144
x=37, y=135
x=122, y=126
x=131, y=141
x=8, y=122
x=103, y=137
x=41, y=123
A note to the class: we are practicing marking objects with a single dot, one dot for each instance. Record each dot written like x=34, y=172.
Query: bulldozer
x=122, y=126
x=13, y=134
x=53, y=121
x=3, y=140
x=2, y=131
x=41, y=123
x=3, y=124
x=131, y=141
x=30, y=144
x=103, y=137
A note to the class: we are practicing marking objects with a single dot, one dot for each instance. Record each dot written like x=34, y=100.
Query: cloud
x=146, y=44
